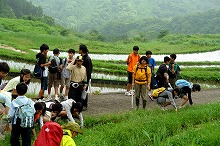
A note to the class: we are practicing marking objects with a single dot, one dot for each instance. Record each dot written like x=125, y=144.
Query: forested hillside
x=126, y=18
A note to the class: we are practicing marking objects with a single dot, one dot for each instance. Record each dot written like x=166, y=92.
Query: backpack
x=53, y=68
x=50, y=135
x=182, y=83
x=25, y=114
x=157, y=91
x=154, y=83
x=37, y=70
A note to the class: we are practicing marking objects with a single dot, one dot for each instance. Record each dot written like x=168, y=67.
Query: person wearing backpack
x=168, y=94
x=186, y=89
x=151, y=64
x=4, y=69
x=41, y=57
x=65, y=74
x=70, y=130
x=21, y=116
x=141, y=80
x=162, y=73
x=54, y=75
x=173, y=70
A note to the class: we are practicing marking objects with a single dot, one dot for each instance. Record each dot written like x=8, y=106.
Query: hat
x=73, y=126
x=56, y=51
x=79, y=58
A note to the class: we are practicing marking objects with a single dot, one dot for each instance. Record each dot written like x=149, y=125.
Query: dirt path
x=118, y=102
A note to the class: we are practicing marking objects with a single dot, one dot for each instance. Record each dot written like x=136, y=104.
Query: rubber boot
x=137, y=103
x=144, y=103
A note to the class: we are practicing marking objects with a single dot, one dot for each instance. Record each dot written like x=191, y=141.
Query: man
x=87, y=63
x=186, y=89
x=41, y=57
x=65, y=74
x=132, y=60
x=78, y=80
x=55, y=76
x=4, y=69
x=162, y=75
x=173, y=70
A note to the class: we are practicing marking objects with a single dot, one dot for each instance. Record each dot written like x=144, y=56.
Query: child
x=70, y=130
x=65, y=74
x=13, y=117
x=25, y=76
x=141, y=80
x=71, y=109
x=4, y=69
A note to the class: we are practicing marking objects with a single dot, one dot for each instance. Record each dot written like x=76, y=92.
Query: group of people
x=142, y=77
x=73, y=75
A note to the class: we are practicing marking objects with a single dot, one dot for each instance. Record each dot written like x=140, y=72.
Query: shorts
x=161, y=100
x=53, y=80
x=44, y=83
x=129, y=77
x=65, y=81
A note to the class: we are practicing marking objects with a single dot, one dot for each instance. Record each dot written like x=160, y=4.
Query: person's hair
x=24, y=72
x=71, y=51
x=196, y=87
x=148, y=53
x=4, y=67
x=166, y=59
x=43, y=48
x=38, y=106
x=177, y=90
x=57, y=107
x=44, y=108
x=56, y=51
x=21, y=88
x=136, y=48
x=83, y=48
x=143, y=58
x=76, y=105
x=173, y=56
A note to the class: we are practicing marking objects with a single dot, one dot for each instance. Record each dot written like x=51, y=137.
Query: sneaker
x=128, y=93
x=57, y=98
x=48, y=99
x=151, y=98
x=132, y=92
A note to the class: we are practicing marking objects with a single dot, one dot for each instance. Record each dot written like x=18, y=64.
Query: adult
x=4, y=69
x=87, y=63
x=132, y=60
x=168, y=94
x=65, y=74
x=173, y=70
x=162, y=73
x=141, y=80
x=186, y=89
x=41, y=57
x=78, y=82
x=54, y=77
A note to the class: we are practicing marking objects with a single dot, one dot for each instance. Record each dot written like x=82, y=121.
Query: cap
x=80, y=58
x=73, y=126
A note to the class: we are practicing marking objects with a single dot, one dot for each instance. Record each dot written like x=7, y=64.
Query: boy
x=4, y=69
x=17, y=130
x=132, y=60
x=173, y=70
x=65, y=74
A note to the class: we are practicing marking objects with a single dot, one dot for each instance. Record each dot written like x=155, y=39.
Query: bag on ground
x=37, y=70
x=53, y=68
x=26, y=114
x=50, y=135
x=157, y=91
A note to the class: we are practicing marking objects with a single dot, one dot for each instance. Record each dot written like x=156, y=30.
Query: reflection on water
x=194, y=57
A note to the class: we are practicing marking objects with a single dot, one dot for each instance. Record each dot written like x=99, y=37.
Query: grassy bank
x=198, y=125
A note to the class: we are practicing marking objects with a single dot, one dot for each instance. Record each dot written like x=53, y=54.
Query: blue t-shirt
x=151, y=64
